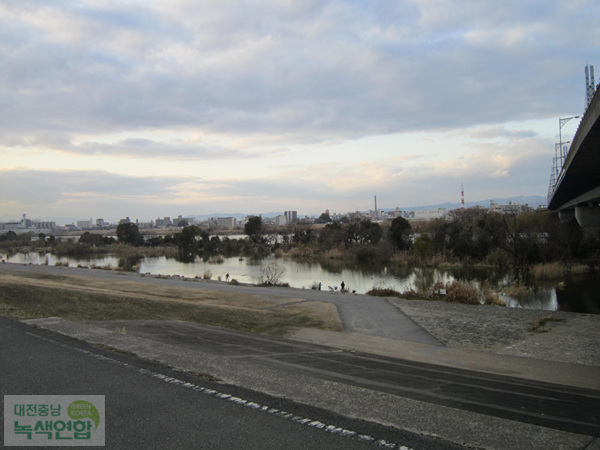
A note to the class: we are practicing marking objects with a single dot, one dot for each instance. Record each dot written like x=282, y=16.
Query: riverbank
x=83, y=295
x=548, y=335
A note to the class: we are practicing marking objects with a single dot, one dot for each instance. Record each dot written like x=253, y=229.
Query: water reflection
x=579, y=294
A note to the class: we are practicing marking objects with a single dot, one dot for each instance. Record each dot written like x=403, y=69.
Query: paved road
x=362, y=314
x=149, y=406
x=481, y=410
x=564, y=408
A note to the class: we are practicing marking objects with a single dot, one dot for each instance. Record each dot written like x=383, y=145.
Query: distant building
x=180, y=220
x=144, y=225
x=164, y=222
x=26, y=225
x=291, y=216
x=429, y=214
x=44, y=225
x=84, y=224
x=225, y=223
x=510, y=208
x=281, y=220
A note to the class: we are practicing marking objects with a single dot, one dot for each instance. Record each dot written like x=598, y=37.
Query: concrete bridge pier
x=566, y=215
x=588, y=217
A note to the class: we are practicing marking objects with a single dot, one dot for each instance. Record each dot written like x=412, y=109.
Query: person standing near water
x=342, y=286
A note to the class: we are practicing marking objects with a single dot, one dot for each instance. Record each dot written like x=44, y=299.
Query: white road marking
x=240, y=401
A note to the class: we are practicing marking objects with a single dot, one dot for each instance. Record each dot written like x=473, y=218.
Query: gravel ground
x=564, y=336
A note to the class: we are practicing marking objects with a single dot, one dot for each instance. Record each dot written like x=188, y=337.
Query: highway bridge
x=575, y=181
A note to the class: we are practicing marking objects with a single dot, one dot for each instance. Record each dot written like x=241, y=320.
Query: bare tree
x=271, y=273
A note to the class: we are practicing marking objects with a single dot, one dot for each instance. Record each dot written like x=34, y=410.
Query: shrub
x=490, y=297
x=400, y=258
x=498, y=258
x=207, y=274
x=462, y=292
x=383, y=292
x=271, y=273
x=411, y=294
x=216, y=259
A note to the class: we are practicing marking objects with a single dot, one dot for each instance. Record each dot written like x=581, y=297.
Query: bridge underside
x=577, y=192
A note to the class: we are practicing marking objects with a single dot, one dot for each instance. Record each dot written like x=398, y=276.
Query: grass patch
x=84, y=298
x=539, y=326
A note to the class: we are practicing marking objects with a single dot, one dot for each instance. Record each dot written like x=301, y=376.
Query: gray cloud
x=326, y=69
x=259, y=80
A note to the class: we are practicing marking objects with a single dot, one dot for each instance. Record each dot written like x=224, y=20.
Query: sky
x=145, y=109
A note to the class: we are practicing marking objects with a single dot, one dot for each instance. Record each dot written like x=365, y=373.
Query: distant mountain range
x=532, y=200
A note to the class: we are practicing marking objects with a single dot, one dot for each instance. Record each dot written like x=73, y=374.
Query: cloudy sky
x=114, y=108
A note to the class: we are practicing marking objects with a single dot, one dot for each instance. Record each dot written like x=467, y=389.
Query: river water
x=580, y=294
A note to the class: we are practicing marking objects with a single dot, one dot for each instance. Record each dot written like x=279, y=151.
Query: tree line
x=469, y=236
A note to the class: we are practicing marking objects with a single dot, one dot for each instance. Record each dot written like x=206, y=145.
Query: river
x=577, y=294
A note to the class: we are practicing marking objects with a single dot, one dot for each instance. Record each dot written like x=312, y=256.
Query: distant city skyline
x=139, y=109
x=532, y=201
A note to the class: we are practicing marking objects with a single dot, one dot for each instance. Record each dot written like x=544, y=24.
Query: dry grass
x=456, y=291
x=334, y=253
x=579, y=269
x=490, y=297
x=518, y=291
x=539, y=326
x=549, y=271
x=81, y=298
x=462, y=292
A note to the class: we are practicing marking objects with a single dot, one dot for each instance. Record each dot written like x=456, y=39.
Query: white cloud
x=314, y=102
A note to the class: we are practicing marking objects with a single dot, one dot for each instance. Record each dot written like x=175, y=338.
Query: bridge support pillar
x=588, y=218
x=566, y=215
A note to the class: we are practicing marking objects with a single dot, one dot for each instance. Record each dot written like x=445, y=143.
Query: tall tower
x=376, y=213
x=590, y=84
x=462, y=196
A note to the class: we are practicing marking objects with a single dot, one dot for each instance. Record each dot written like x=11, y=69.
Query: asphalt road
x=149, y=406
x=458, y=405
x=559, y=407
